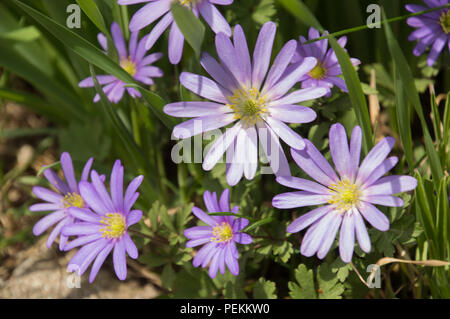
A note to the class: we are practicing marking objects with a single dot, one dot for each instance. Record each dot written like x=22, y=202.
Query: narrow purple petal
x=376, y=218
x=298, y=199
x=46, y=222
x=393, y=184
x=347, y=238
x=262, y=53
x=119, y=259
x=303, y=184
x=69, y=173
x=309, y=218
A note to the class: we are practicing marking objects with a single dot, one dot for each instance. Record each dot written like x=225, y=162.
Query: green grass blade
x=191, y=27
x=405, y=74
x=442, y=218
x=90, y=8
x=302, y=12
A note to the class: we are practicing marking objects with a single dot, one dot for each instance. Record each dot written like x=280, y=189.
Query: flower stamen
x=128, y=66
x=345, y=195
x=319, y=72
x=222, y=233
x=114, y=225
x=73, y=200
x=248, y=105
x=444, y=21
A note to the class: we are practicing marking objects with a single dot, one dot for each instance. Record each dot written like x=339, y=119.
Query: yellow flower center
x=248, y=105
x=73, y=200
x=445, y=21
x=222, y=233
x=114, y=225
x=187, y=3
x=345, y=195
x=128, y=66
x=319, y=72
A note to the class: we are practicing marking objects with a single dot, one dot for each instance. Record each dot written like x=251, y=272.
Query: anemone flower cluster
x=349, y=196
x=433, y=29
x=252, y=95
x=219, y=237
x=67, y=195
x=133, y=60
x=161, y=8
x=99, y=220
x=327, y=72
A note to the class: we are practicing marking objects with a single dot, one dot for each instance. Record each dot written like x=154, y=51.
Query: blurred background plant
x=43, y=112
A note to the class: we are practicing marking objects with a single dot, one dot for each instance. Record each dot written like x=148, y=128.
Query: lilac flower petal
x=437, y=48
x=103, y=41
x=339, y=150
x=149, y=59
x=214, y=18
x=242, y=238
x=86, y=169
x=214, y=265
x=222, y=2
x=148, y=14
x=99, y=260
x=46, y=222
x=54, y=179
x=329, y=238
x=382, y=169
x=305, y=162
x=262, y=53
x=289, y=80
x=134, y=217
x=375, y=157
x=47, y=195
x=44, y=207
x=251, y=147
x=57, y=231
x=298, y=199
x=224, y=202
x=303, y=184
x=130, y=247
x=101, y=191
x=100, y=245
x=347, y=238
x=230, y=59
x=129, y=204
x=315, y=235
x=230, y=261
x=235, y=170
x=210, y=203
x=69, y=173
x=361, y=232
x=308, y=219
x=279, y=64
x=198, y=241
x=239, y=224
x=132, y=45
x=84, y=215
x=217, y=72
x=273, y=150
x=128, y=2
x=204, y=87
x=119, y=259
x=288, y=135
x=220, y=145
x=80, y=256
x=157, y=30
x=300, y=96
x=198, y=232
x=211, y=253
x=176, y=43
x=355, y=151
x=241, y=49
x=195, y=109
x=132, y=187
x=222, y=261
x=119, y=41
x=116, y=186
x=81, y=228
x=203, y=253
x=82, y=240
x=293, y=113
x=202, y=124
x=376, y=218
x=385, y=200
x=392, y=185
x=204, y=217
x=320, y=161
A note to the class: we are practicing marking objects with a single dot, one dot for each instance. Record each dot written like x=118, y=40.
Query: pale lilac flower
x=433, y=29
x=133, y=60
x=220, y=236
x=327, y=72
x=156, y=9
x=67, y=195
x=104, y=226
x=349, y=197
x=253, y=96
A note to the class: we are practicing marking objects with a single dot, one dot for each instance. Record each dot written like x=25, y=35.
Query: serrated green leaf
x=329, y=285
x=264, y=289
x=304, y=288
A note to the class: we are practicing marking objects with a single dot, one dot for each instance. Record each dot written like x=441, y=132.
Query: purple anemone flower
x=220, y=236
x=67, y=195
x=161, y=8
x=133, y=60
x=327, y=72
x=433, y=29
x=105, y=225
x=349, y=197
x=253, y=96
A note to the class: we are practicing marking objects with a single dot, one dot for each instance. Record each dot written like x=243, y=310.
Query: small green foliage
x=264, y=289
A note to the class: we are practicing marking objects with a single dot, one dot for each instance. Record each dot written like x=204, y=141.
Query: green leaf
x=91, y=10
x=304, y=288
x=257, y=224
x=25, y=34
x=329, y=285
x=43, y=168
x=302, y=12
x=191, y=27
x=264, y=289
x=442, y=218
x=405, y=74
x=283, y=250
